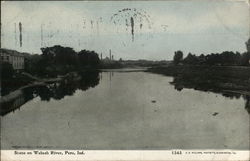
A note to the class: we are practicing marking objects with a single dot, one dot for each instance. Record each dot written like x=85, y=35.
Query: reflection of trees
x=44, y=93
x=58, y=90
x=207, y=84
x=63, y=89
x=247, y=105
x=91, y=79
x=68, y=86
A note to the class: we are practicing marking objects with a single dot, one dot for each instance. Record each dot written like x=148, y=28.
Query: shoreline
x=47, y=89
x=38, y=82
x=228, y=81
x=221, y=79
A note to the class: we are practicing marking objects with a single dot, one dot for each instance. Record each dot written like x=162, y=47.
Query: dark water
x=126, y=110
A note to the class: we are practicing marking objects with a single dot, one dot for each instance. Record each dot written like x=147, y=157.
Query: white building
x=13, y=57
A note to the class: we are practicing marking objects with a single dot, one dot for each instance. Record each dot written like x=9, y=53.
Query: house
x=13, y=57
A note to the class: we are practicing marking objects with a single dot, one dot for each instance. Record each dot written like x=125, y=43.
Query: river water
x=127, y=110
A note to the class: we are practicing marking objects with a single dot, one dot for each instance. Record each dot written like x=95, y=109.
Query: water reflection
x=247, y=105
x=130, y=111
x=86, y=80
x=208, y=85
x=57, y=90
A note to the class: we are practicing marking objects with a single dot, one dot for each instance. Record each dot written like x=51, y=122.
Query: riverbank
x=224, y=79
x=49, y=88
x=36, y=83
x=23, y=80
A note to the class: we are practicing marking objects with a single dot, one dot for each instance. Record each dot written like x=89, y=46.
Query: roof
x=11, y=52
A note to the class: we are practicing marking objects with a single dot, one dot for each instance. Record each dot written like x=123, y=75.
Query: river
x=126, y=111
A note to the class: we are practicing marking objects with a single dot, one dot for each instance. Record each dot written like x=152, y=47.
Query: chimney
x=110, y=54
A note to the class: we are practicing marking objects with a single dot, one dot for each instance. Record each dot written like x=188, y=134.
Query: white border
x=114, y=155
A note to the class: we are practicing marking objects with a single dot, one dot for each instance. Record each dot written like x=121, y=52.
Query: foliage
x=245, y=59
x=34, y=64
x=59, y=60
x=226, y=58
x=178, y=56
x=88, y=58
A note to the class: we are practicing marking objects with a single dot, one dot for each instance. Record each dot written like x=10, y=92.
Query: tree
x=59, y=55
x=178, y=57
x=245, y=59
x=58, y=60
x=248, y=45
x=88, y=58
x=34, y=64
x=61, y=60
x=191, y=59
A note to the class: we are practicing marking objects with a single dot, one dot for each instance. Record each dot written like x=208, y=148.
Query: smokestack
x=101, y=56
x=112, y=57
x=110, y=54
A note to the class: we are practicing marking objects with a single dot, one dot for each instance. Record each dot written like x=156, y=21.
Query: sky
x=151, y=30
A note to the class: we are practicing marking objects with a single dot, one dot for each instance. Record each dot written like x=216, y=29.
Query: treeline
x=59, y=60
x=226, y=58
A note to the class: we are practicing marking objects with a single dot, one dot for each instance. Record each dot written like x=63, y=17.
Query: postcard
x=125, y=80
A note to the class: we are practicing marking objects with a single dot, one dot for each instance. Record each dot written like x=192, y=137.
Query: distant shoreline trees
x=226, y=58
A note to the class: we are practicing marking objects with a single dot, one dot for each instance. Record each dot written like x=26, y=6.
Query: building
x=13, y=57
x=107, y=60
